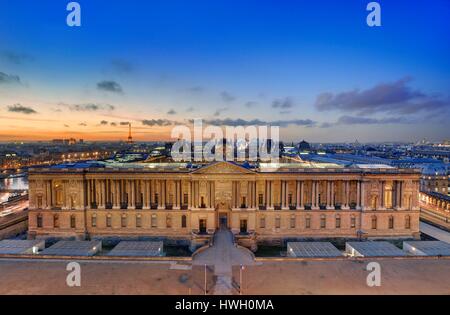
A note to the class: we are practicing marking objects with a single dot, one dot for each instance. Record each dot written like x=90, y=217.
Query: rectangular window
x=39, y=202
x=323, y=222
x=277, y=222
x=290, y=199
x=338, y=223
x=292, y=222
x=262, y=223
x=56, y=221
x=154, y=222
x=39, y=220
x=308, y=223
x=261, y=199
x=183, y=221
x=408, y=223
x=391, y=223
x=156, y=198
x=94, y=221
x=185, y=199
x=108, y=220
x=123, y=221
x=138, y=221
x=72, y=222
x=353, y=222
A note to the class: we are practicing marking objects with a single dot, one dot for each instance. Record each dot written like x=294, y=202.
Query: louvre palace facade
x=265, y=202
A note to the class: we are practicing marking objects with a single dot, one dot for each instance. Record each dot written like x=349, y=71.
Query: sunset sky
x=313, y=67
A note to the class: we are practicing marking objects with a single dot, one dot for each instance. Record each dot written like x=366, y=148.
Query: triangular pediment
x=223, y=167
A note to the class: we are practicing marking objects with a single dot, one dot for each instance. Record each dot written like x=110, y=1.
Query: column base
x=345, y=208
x=300, y=208
x=315, y=208
x=330, y=208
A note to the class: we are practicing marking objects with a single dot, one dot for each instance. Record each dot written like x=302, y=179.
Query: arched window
x=39, y=220
x=407, y=222
x=374, y=222
x=183, y=221
x=56, y=221
x=73, y=221
x=391, y=222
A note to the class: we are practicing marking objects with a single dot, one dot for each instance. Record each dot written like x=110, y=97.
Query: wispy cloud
x=103, y=122
x=83, y=124
x=158, y=122
x=87, y=107
x=219, y=111
x=18, y=108
x=250, y=104
x=110, y=86
x=227, y=97
x=15, y=57
x=196, y=89
x=121, y=66
x=171, y=112
x=9, y=78
x=391, y=98
x=258, y=122
x=190, y=109
x=285, y=103
x=359, y=120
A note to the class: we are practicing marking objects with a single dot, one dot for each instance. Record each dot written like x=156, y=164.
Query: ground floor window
x=73, y=222
x=391, y=222
x=138, y=221
x=108, y=220
x=308, y=222
x=154, y=221
x=374, y=223
x=292, y=222
x=183, y=221
x=243, y=226
x=94, y=220
x=323, y=222
x=202, y=226
x=262, y=222
x=39, y=220
x=277, y=222
x=407, y=222
x=56, y=221
x=352, y=222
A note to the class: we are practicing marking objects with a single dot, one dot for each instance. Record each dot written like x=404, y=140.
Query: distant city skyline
x=313, y=68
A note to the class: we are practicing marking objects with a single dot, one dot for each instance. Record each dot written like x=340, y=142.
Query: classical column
x=190, y=195
x=271, y=193
x=363, y=195
x=358, y=195
x=302, y=195
x=332, y=201
x=381, y=196
x=283, y=191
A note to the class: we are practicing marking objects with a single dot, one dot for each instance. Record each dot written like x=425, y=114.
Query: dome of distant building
x=303, y=146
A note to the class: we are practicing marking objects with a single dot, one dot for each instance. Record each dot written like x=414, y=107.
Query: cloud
x=227, y=97
x=9, y=78
x=359, y=120
x=121, y=66
x=67, y=126
x=393, y=98
x=110, y=86
x=103, y=122
x=250, y=104
x=283, y=103
x=18, y=108
x=158, y=122
x=258, y=122
x=82, y=124
x=113, y=124
x=171, y=112
x=190, y=109
x=15, y=58
x=124, y=123
x=196, y=89
x=219, y=111
x=88, y=107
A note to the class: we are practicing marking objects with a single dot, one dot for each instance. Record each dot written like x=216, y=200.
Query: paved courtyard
x=398, y=276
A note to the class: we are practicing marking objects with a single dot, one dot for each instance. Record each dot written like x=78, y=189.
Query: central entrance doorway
x=223, y=220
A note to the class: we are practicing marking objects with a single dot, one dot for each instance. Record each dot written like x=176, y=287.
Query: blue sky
x=315, y=66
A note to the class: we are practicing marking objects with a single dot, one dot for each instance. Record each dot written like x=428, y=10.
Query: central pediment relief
x=223, y=167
